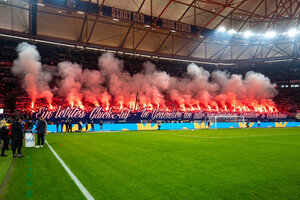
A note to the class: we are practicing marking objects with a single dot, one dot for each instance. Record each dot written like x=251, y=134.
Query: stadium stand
x=285, y=74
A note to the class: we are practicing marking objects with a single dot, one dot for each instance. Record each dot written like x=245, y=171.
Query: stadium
x=149, y=99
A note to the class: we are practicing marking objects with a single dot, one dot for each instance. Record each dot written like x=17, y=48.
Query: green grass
x=204, y=164
x=4, y=165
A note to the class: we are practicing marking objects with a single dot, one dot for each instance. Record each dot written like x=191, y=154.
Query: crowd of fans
x=14, y=99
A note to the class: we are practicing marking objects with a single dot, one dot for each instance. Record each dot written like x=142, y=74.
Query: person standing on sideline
x=17, y=136
x=80, y=126
x=159, y=125
x=101, y=125
x=248, y=124
x=92, y=125
x=208, y=124
x=258, y=123
x=41, y=130
x=67, y=125
x=70, y=126
x=62, y=126
x=30, y=126
x=57, y=126
x=86, y=126
x=3, y=136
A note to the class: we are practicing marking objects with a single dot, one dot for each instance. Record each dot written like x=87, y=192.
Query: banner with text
x=123, y=15
x=127, y=115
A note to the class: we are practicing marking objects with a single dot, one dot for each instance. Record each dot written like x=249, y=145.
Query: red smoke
x=29, y=68
x=112, y=86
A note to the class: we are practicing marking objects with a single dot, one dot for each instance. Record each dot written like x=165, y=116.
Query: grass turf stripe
x=4, y=185
x=84, y=191
x=29, y=192
x=225, y=137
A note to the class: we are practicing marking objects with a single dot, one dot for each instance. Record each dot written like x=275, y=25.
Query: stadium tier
x=136, y=86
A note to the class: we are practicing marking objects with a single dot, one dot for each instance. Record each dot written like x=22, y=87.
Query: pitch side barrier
x=173, y=126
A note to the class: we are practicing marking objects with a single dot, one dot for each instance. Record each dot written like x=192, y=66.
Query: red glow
x=217, y=108
x=79, y=104
x=225, y=108
x=183, y=108
x=150, y=105
x=121, y=105
x=213, y=106
x=209, y=108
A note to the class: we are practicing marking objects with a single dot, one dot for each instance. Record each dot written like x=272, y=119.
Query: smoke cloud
x=28, y=67
x=111, y=85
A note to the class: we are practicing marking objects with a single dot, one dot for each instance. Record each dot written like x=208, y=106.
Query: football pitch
x=183, y=164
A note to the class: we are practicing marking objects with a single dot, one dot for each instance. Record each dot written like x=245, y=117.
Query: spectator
x=17, y=136
x=41, y=130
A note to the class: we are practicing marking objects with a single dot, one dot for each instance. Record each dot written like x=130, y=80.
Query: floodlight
x=222, y=29
x=248, y=34
x=231, y=31
x=270, y=34
x=292, y=32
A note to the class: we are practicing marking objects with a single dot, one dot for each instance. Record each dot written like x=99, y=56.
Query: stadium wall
x=175, y=126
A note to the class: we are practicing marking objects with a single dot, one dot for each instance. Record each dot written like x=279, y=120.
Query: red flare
x=209, y=108
x=151, y=106
x=80, y=105
x=192, y=108
x=183, y=107
x=225, y=108
x=233, y=110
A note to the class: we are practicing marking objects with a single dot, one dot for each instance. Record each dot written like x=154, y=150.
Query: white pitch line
x=241, y=136
x=84, y=191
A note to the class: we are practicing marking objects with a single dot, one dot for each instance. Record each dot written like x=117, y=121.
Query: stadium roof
x=176, y=29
